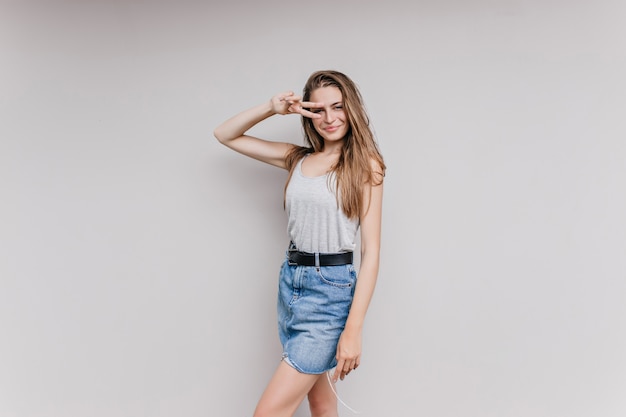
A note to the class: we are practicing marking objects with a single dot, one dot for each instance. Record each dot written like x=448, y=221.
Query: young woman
x=335, y=187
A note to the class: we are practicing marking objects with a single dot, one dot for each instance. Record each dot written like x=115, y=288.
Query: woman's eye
x=338, y=107
x=316, y=110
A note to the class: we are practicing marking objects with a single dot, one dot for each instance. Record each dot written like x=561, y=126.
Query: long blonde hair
x=360, y=162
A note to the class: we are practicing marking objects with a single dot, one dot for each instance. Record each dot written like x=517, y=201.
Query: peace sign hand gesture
x=288, y=102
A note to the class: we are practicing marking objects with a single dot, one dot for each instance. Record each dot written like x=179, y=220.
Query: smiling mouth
x=331, y=128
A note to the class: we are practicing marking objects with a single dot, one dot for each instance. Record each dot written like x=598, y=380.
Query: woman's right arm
x=232, y=132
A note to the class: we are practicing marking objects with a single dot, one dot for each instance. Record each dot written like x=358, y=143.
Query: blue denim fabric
x=313, y=305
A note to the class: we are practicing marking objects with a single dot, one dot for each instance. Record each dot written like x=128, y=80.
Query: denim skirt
x=313, y=305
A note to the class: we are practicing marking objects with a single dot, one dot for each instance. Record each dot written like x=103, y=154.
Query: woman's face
x=332, y=125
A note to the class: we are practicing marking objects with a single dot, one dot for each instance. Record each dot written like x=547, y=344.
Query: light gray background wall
x=139, y=257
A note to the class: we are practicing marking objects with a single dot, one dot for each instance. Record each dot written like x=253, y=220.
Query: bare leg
x=322, y=400
x=284, y=392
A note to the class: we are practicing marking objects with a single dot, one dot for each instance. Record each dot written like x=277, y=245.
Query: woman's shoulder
x=296, y=154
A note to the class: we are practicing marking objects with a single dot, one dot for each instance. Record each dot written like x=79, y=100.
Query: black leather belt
x=325, y=259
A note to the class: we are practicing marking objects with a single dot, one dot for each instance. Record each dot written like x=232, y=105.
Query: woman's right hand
x=232, y=132
x=288, y=103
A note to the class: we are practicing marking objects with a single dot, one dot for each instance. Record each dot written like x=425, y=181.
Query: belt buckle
x=292, y=249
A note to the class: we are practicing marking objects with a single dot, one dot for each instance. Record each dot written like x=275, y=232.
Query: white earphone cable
x=337, y=396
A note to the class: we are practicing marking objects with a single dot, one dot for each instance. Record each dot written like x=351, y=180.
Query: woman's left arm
x=349, y=346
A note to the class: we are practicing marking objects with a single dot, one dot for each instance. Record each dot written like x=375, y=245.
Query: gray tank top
x=316, y=222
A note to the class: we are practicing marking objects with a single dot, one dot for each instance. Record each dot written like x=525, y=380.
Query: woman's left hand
x=348, y=354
